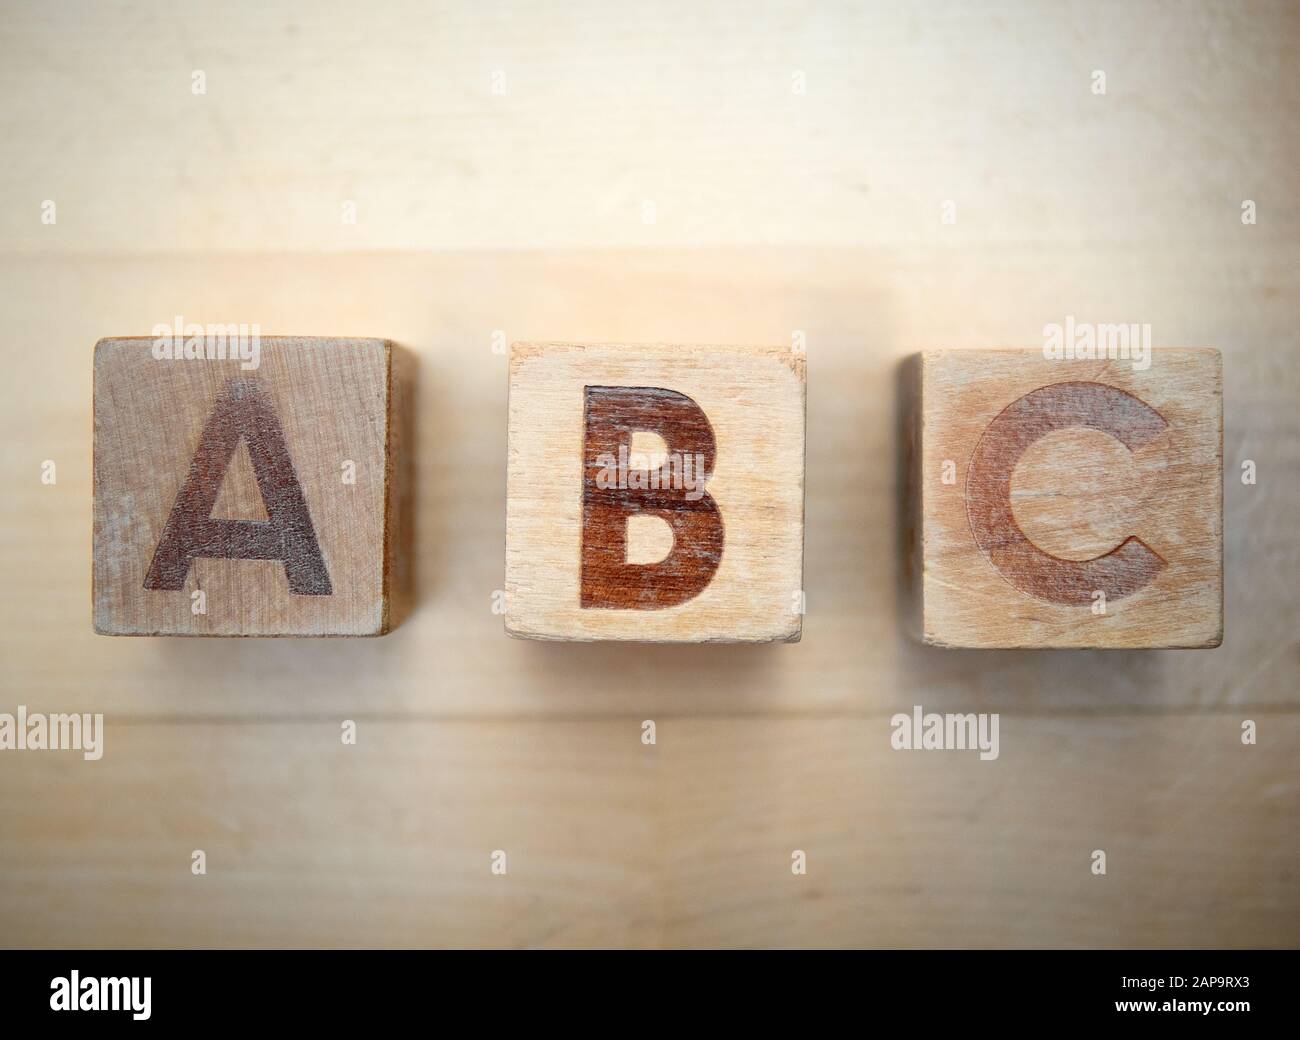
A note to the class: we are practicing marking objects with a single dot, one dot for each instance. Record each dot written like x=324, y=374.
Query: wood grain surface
x=1043, y=486
x=484, y=219
x=295, y=542
x=737, y=412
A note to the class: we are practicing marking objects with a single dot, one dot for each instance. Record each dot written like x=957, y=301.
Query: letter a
x=612, y=414
x=242, y=411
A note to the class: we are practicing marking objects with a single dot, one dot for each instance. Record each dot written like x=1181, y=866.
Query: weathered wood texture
x=1066, y=503
x=474, y=742
x=248, y=494
x=521, y=214
x=721, y=557
x=445, y=308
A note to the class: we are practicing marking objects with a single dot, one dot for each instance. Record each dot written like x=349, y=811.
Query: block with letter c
x=1065, y=503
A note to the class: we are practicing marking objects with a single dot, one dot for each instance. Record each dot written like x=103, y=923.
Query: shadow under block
x=233, y=501
x=1065, y=503
x=655, y=493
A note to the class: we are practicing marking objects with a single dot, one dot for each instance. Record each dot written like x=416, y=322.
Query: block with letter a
x=251, y=494
x=655, y=493
x=1065, y=502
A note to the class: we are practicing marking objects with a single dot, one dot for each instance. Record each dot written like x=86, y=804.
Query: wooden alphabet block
x=1066, y=503
x=655, y=493
x=246, y=494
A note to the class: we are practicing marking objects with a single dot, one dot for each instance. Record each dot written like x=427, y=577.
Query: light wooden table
x=523, y=212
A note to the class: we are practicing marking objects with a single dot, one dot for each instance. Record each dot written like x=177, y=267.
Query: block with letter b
x=1066, y=502
x=249, y=492
x=655, y=493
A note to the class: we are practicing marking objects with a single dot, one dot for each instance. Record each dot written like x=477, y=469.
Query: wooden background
x=523, y=212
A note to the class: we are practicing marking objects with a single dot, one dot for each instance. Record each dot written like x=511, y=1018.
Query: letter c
x=1124, y=569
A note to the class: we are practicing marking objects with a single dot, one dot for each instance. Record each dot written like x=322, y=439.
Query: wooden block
x=1066, y=503
x=247, y=501
x=655, y=493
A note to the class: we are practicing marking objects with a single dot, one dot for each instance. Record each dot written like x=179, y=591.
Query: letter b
x=611, y=415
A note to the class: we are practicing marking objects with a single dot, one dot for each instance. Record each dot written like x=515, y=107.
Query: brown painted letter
x=612, y=414
x=1126, y=568
x=243, y=409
